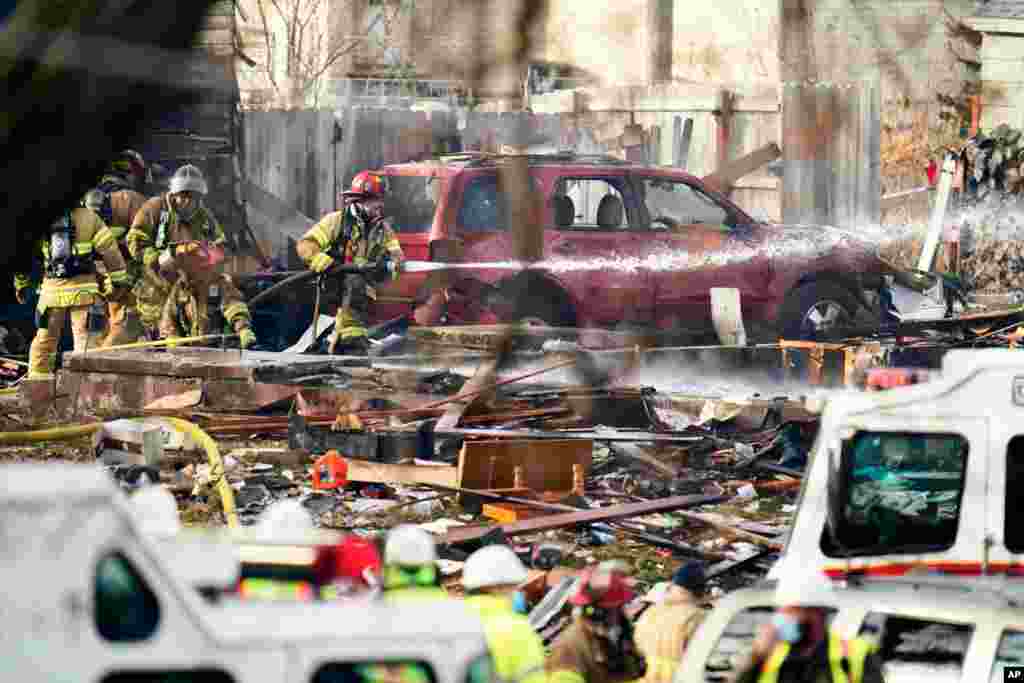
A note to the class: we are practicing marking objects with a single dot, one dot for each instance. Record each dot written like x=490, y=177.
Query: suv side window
x=919, y=649
x=483, y=206
x=736, y=641
x=375, y=672
x=674, y=203
x=125, y=609
x=1010, y=653
x=589, y=204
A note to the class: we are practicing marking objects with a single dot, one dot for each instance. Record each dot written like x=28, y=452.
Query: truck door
x=910, y=493
x=595, y=239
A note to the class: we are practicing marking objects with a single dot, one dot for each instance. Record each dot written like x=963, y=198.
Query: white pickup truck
x=89, y=597
x=920, y=478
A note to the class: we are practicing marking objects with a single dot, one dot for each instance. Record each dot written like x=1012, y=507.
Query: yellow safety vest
x=852, y=652
x=517, y=650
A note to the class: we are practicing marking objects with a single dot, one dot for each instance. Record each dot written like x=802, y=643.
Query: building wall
x=1002, y=74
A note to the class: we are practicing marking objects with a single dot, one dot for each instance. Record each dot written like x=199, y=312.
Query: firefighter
x=410, y=566
x=598, y=647
x=358, y=234
x=798, y=646
x=664, y=629
x=70, y=285
x=492, y=576
x=121, y=198
x=180, y=245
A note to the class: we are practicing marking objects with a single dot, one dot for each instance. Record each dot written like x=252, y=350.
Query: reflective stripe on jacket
x=843, y=654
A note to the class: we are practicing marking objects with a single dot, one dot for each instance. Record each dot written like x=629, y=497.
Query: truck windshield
x=411, y=202
x=902, y=493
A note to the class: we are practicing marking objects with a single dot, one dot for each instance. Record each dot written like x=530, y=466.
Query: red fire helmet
x=602, y=586
x=366, y=184
x=354, y=558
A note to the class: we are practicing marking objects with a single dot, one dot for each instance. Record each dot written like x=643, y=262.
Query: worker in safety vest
x=798, y=646
x=410, y=566
x=180, y=246
x=70, y=284
x=664, y=629
x=359, y=234
x=119, y=200
x=598, y=647
x=492, y=576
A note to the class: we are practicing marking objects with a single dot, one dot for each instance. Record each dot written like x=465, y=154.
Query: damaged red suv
x=624, y=245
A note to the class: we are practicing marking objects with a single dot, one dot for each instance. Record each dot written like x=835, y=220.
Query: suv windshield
x=411, y=202
x=902, y=492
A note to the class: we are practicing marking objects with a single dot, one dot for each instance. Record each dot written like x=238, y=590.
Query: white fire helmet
x=409, y=546
x=188, y=178
x=493, y=565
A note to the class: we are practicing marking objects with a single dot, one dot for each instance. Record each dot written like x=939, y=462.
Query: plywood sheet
x=547, y=464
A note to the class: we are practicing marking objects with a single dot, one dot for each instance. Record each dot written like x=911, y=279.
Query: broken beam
x=559, y=521
x=727, y=175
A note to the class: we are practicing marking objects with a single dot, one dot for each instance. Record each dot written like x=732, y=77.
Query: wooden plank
x=547, y=465
x=383, y=473
x=729, y=173
x=484, y=376
x=559, y=521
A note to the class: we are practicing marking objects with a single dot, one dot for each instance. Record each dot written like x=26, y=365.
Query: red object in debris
x=354, y=559
x=330, y=471
x=602, y=588
x=933, y=172
x=888, y=378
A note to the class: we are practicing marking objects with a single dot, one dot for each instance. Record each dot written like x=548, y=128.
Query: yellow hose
x=227, y=494
x=54, y=434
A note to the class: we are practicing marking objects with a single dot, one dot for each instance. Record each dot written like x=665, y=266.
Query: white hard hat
x=155, y=510
x=286, y=516
x=493, y=565
x=409, y=546
x=188, y=178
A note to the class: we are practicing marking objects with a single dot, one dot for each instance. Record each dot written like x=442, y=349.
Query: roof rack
x=488, y=159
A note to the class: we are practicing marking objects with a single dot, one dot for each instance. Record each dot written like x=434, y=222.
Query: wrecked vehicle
x=623, y=244
x=97, y=599
x=928, y=628
x=917, y=478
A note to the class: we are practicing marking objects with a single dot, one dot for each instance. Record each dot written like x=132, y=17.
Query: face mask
x=786, y=628
x=519, y=603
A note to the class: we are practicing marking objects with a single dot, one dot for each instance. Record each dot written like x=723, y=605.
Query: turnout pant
x=350, y=321
x=42, y=353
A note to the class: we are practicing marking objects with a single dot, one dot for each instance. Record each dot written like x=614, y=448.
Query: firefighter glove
x=246, y=337
x=384, y=269
x=321, y=263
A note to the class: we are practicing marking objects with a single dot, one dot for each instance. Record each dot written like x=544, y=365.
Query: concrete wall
x=1002, y=74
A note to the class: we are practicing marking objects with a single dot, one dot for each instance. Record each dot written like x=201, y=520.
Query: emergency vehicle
x=919, y=478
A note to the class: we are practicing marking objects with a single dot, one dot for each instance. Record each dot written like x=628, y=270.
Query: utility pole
x=659, y=40
x=805, y=164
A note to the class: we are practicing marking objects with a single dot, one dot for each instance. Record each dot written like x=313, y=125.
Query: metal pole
x=935, y=225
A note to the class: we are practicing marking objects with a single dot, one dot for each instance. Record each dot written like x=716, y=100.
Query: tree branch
x=268, y=62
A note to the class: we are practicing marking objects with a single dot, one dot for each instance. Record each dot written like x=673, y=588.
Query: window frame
x=973, y=629
x=733, y=218
x=626, y=193
x=825, y=543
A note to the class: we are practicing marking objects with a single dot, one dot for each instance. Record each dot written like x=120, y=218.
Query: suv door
x=594, y=237
x=697, y=242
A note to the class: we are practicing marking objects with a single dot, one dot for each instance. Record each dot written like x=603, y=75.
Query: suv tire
x=816, y=307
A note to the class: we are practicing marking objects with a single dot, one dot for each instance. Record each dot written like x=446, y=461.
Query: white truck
x=917, y=479
x=89, y=597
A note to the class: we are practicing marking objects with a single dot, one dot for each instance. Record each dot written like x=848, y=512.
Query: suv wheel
x=815, y=308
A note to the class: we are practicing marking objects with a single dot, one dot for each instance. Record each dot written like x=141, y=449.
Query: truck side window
x=196, y=676
x=918, y=649
x=126, y=611
x=1010, y=653
x=902, y=492
x=375, y=672
x=483, y=206
x=735, y=643
x=1013, y=534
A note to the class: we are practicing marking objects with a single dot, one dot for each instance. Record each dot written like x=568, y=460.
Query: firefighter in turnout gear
x=358, y=234
x=598, y=647
x=180, y=245
x=117, y=199
x=799, y=646
x=70, y=284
